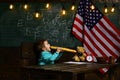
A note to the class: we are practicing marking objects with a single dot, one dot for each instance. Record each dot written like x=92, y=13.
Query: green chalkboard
x=19, y=26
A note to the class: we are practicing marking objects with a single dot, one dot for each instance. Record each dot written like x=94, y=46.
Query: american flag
x=97, y=33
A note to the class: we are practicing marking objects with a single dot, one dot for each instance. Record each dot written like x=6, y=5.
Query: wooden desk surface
x=79, y=67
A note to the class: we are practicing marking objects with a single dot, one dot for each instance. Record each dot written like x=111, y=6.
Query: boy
x=45, y=55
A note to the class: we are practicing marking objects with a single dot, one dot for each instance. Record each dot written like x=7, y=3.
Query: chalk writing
x=51, y=25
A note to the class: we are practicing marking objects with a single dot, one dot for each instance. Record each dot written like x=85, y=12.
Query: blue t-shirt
x=47, y=57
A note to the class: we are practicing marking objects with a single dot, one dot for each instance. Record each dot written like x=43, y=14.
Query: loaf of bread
x=64, y=49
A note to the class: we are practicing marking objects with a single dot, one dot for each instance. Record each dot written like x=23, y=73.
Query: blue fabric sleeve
x=49, y=56
x=60, y=54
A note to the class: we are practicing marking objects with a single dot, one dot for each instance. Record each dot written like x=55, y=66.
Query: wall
x=19, y=26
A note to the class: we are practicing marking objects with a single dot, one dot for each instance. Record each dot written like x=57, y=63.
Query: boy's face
x=47, y=46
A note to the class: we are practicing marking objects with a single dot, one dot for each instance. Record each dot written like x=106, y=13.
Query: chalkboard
x=19, y=26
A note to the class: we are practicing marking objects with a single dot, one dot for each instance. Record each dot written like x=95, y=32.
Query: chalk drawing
x=20, y=23
x=51, y=26
x=29, y=16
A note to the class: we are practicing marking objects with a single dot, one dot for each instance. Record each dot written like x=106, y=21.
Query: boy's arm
x=58, y=57
x=50, y=56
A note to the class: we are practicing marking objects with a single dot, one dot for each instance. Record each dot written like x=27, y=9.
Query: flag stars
x=97, y=11
x=91, y=16
x=81, y=3
x=94, y=21
x=90, y=10
x=87, y=3
x=100, y=15
x=93, y=10
x=87, y=7
x=97, y=18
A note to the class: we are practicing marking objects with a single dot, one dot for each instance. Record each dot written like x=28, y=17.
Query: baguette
x=64, y=49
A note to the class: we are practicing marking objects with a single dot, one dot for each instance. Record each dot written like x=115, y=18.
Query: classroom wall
x=18, y=25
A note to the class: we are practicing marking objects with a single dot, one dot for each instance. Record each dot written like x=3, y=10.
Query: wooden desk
x=72, y=69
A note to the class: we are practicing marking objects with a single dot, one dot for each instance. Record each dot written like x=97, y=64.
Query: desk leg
x=111, y=74
x=114, y=73
x=74, y=76
x=78, y=76
x=27, y=76
x=60, y=77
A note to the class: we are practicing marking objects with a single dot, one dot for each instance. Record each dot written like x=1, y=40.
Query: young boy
x=45, y=55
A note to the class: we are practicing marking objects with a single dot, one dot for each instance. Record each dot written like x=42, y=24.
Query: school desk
x=75, y=70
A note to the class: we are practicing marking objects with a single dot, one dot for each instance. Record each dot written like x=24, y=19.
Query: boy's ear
x=43, y=48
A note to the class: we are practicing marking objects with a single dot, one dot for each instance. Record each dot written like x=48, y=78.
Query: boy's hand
x=59, y=49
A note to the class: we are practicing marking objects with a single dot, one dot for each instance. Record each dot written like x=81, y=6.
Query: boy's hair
x=40, y=44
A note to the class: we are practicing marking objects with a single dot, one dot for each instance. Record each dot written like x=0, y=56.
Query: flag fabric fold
x=97, y=33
